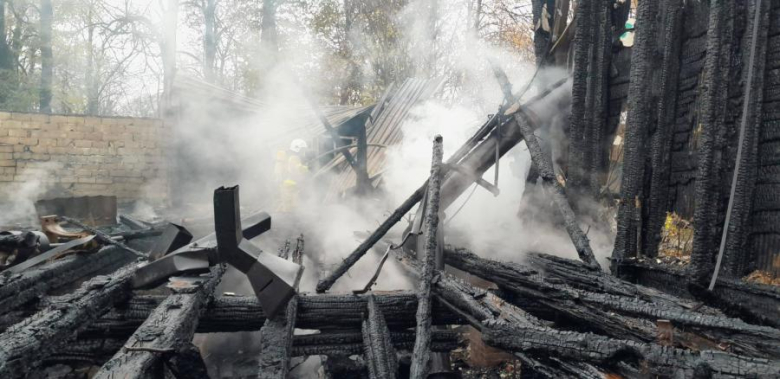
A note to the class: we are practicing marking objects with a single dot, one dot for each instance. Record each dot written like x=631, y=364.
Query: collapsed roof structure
x=700, y=89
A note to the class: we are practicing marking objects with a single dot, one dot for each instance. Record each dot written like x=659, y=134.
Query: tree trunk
x=46, y=57
x=269, y=38
x=209, y=40
x=168, y=47
x=92, y=87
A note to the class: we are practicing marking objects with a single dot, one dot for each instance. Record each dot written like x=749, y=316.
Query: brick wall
x=54, y=156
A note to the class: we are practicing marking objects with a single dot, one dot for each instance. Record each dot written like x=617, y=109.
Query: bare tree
x=47, y=60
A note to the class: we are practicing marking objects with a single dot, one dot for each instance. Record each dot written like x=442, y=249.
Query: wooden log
x=621, y=316
x=545, y=167
x=166, y=333
x=325, y=284
x=19, y=289
x=627, y=240
x=755, y=303
x=643, y=357
x=378, y=346
x=421, y=354
x=243, y=313
x=276, y=339
x=351, y=343
x=28, y=342
x=708, y=161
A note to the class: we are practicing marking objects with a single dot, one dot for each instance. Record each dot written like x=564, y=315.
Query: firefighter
x=290, y=172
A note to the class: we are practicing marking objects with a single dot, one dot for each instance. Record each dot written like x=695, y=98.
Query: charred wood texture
x=239, y=314
x=352, y=343
x=28, y=342
x=419, y=367
x=378, y=345
x=166, y=333
x=276, y=339
x=640, y=102
x=544, y=164
x=19, y=289
x=617, y=310
x=735, y=260
x=583, y=43
x=708, y=158
x=755, y=303
x=641, y=357
x=598, y=145
x=662, y=138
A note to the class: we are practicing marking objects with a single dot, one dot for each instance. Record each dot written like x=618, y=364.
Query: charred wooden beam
x=628, y=237
x=708, y=168
x=642, y=357
x=28, y=342
x=325, y=284
x=735, y=257
x=276, y=338
x=19, y=289
x=583, y=41
x=660, y=145
x=545, y=167
x=243, y=313
x=755, y=303
x=421, y=354
x=352, y=343
x=379, y=351
x=619, y=316
x=166, y=333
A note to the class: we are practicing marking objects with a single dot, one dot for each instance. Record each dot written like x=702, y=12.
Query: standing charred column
x=543, y=16
x=422, y=342
x=637, y=126
x=599, y=94
x=710, y=142
x=583, y=41
x=735, y=257
x=661, y=141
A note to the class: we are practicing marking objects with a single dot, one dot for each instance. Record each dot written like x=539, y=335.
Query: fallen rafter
x=28, y=342
x=378, y=345
x=167, y=332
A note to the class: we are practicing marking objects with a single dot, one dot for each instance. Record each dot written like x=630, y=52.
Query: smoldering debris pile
x=95, y=297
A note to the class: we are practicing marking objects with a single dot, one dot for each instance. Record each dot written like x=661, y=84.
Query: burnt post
x=422, y=343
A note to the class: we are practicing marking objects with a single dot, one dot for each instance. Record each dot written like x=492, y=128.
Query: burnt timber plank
x=604, y=351
x=422, y=342
x=243, y=313
x=276, y=338
x=167, y=332
x=28, y=342
x=19, y=289
x=379, y=351
x=352, y=342
x=616, y=315
x=545, y=167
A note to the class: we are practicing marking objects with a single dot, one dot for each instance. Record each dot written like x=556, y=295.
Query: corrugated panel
x=390, y=114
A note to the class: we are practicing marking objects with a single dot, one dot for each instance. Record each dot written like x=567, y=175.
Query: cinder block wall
x=53, y=156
